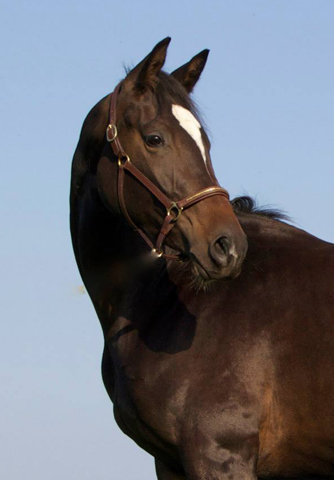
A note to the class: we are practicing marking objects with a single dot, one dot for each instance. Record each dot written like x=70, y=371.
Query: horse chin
x=200, y=280
x=207, y=278
x=199, y=277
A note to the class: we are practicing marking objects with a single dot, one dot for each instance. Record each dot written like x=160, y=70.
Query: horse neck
x=115, y=263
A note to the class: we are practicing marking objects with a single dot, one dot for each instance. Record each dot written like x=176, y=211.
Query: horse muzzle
x=222, y=263
x=217, y=247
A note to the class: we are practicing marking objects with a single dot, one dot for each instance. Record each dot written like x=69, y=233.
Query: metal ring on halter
x=174, y=207
x=113, y=129
x=155, y=251
x=123, y=160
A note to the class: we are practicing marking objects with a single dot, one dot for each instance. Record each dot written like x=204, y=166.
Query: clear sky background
x=267, y=95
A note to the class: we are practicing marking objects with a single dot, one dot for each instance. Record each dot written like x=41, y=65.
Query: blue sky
x=267, y=97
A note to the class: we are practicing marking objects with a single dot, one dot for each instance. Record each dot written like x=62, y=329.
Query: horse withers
x=216, y=379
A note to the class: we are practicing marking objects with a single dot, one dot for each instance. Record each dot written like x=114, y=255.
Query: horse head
x=158, y=174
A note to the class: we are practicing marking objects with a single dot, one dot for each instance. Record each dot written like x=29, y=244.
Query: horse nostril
x=222, y=245
x=220, y=251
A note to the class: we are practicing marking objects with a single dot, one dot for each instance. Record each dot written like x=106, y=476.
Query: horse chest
x=148, y=402
x=147, y=385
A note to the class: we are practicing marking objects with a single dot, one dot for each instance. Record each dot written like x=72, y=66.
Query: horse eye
x=153, y=140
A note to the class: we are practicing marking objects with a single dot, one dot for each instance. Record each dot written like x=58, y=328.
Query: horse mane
x=246, y=204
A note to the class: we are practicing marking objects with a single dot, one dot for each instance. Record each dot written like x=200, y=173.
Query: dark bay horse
x=219, y=363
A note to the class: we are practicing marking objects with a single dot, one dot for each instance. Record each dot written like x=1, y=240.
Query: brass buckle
x=123, y=160
x=156, y=253
x=113, y=129
x=174, y=206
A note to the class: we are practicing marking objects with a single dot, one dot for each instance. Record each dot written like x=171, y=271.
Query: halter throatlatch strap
x=173, y=209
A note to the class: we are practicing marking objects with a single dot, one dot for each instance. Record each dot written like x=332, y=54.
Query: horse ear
x=145, y=74
x=189, y=73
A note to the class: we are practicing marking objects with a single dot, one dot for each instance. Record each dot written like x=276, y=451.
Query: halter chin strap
x=173, y=209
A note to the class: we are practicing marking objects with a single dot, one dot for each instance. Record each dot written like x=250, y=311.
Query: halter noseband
x=173, y=209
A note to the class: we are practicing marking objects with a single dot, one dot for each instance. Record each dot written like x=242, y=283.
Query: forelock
x=169, y=90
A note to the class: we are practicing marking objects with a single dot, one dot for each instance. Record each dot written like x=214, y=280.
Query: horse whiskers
x=199, y=284
x=186, y=273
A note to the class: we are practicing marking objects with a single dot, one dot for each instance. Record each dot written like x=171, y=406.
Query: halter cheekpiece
x=173, y=209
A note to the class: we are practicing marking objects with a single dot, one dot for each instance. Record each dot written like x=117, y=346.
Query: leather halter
x=173, y=208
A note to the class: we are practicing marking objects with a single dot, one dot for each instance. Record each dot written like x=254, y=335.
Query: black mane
x=247, y=204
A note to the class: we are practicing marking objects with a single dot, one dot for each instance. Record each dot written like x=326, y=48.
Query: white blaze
x=187, y=121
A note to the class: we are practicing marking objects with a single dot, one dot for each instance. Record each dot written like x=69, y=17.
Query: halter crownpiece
x=173, y=209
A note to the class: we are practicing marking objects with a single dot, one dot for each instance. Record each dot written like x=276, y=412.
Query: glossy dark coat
x=217, y=380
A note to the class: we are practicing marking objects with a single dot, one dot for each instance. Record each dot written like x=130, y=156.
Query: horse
x=217, y=316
